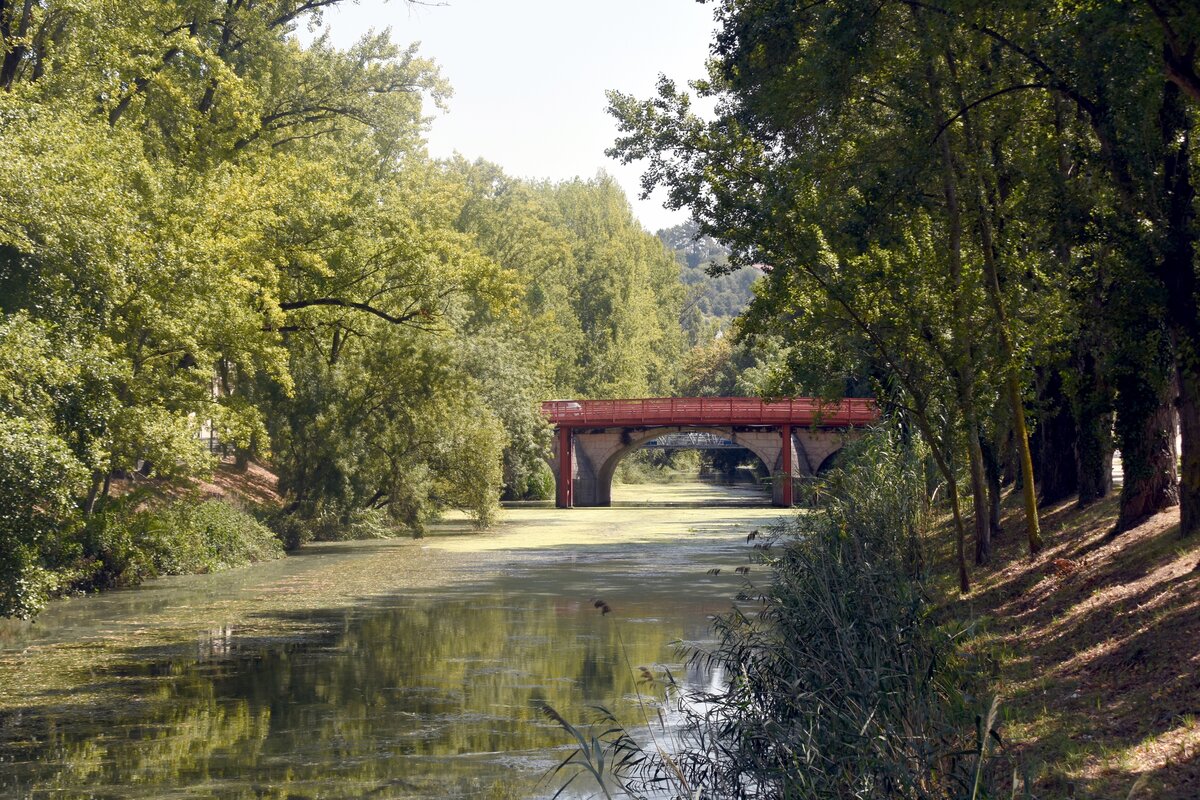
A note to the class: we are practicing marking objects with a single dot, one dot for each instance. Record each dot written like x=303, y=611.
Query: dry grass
x=254, y=485
x=1097, y=646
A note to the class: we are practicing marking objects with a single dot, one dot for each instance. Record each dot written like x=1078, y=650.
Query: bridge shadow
x=650, y=504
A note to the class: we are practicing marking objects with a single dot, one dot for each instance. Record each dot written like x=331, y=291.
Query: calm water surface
x=388, y=669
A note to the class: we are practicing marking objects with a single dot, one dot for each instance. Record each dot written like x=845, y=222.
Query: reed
x=840, y=683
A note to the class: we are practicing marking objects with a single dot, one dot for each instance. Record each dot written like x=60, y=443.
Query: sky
x=529, y=76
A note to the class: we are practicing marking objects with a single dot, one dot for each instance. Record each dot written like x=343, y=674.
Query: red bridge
x=593, y=435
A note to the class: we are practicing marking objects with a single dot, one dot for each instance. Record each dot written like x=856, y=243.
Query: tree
x=198, y=209
x=837, y=159
x=1128, y=86
x=601, y=298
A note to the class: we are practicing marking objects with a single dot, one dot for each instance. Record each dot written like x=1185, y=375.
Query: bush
x=540, y=483
x=221, y=535
x=657, y=466
x=295, y=529
x=37, y=512
x=183, y=537
x=292, y=529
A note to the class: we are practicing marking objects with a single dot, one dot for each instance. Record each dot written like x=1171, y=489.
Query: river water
x=383, y=669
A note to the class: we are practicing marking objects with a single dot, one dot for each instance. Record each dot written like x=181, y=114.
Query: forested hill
x=712, y=300
x=212, y=228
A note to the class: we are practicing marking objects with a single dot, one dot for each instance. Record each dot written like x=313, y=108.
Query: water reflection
x=421, y=694
x=380, y=701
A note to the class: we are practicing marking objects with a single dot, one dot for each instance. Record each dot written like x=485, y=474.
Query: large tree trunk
x=1056, y=439
x=1094, y=458
x=1091, y=396
x=1146, y=434
x=1092, y=406
x=1178, y=270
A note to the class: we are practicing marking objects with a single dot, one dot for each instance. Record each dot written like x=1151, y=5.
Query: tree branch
x=967, y=108
x=1178, y=58
x=341, y=303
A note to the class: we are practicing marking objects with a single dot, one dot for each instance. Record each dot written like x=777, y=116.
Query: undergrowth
x=127, y=545
x=658, y=466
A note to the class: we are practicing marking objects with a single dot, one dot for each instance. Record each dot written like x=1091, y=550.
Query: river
x=391, y=668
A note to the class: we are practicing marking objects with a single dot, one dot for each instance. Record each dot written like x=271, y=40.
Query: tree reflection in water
x=281, y=682
x=409, y=700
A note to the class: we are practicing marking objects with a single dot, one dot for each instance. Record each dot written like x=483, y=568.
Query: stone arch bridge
x=793, y=438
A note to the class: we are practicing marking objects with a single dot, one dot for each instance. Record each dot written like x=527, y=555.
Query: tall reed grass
x=840, y=683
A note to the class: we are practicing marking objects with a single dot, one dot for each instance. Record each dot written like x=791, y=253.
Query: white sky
x=529, y=76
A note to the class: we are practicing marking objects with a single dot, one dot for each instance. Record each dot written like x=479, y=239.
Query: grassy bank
x=1096, y=651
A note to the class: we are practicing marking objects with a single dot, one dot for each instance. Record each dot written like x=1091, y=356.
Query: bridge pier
x=788, y=487
x=565, y=496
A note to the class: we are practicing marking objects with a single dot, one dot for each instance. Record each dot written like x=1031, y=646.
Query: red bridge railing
x=800, y=411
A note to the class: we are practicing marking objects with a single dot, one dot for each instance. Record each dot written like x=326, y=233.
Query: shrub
x=37, y=512
x=183, y=537
x=222, y=536
x=295, y=529
x=841, y=686
x=292, y=529
x=657, y=466
x=540, y=483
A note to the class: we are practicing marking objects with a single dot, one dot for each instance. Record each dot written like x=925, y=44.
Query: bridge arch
x=830, y=461
x=608, y=467
x=792, y=437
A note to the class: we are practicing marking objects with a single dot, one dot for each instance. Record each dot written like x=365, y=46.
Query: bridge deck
x=669, y=411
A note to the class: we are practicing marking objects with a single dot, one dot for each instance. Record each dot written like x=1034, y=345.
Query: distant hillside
x=711, y=301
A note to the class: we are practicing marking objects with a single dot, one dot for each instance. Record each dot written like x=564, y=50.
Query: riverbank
x=1096, y=647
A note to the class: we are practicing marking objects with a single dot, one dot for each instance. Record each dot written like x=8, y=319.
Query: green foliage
x=211, y=228
x=540, y=483
x=628, y=294
x=841, y=684
x=183, y=537
x=393, y=424
x=658, y=466
x=37, y=473
x=844, y=685
x=951, y=203
x=715, y=295
x=601, y=297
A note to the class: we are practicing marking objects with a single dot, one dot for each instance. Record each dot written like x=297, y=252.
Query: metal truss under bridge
x=692, y=440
